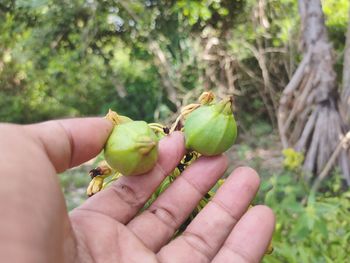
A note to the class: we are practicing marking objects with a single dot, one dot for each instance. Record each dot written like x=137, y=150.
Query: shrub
x=309, y=227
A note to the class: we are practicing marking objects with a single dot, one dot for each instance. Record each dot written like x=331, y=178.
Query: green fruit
x=211, y=130
x=132, y=148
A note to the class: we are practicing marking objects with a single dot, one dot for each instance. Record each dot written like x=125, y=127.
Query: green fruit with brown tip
x=211, y=130
x=132, y=148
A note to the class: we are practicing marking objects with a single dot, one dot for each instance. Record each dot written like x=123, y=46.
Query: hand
x=35, y=226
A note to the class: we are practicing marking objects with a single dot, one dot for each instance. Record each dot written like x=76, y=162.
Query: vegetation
x=145, y=59
x=310, y=227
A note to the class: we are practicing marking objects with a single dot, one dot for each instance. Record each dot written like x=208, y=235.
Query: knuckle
x=126, y=194
x=166, y=216
x=199, y=243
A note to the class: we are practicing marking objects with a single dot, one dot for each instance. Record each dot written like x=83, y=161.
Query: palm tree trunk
x=308, y=115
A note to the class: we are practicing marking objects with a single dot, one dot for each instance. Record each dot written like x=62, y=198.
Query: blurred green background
x=146, y=59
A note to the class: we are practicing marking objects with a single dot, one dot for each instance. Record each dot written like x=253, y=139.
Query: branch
x=343, y=145
x=131, y=13
x=165, y=70
x=259, y=56
x=298, y=75
x=300, y=103
x=274, y=50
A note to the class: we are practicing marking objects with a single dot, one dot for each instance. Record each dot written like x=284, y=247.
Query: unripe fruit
x=132, y=148
x=211, y=130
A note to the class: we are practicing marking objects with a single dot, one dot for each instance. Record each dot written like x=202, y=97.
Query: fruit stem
x=184, y=112
x=157, y=127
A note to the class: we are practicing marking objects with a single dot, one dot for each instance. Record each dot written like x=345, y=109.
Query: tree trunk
x=345, y=98
x=308, y=115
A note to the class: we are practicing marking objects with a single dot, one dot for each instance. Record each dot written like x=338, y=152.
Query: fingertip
x=177, y=138
x=259, y=220
x=70, y=142
x=99, y=124
x=177, y=134
x=220, y=160
x=173, y=138
x=264, y=213
x=206, y=171
x=171, y=150
x=247, y=173
x=250, y=237
x=89, y=136
x=246, y=170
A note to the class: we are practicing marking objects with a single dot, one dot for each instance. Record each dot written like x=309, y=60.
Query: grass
x=74, y=183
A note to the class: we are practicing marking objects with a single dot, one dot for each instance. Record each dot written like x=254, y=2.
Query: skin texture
x=35, y=227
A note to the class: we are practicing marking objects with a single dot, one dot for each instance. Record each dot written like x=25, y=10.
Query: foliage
x=60, y=60
x=310, y=228
x=292, y=159
x=144, y=59
x=78, y=58
x=336, y=14
x=73, y=184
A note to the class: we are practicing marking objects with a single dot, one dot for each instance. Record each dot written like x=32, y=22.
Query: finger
x=250, y=238
x=156, y=225
x=34, y=153
x=70, y=142
x=207, y=232
x=24, y=190
x=125, y=197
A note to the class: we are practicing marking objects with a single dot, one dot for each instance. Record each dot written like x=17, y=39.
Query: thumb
x=71, y=142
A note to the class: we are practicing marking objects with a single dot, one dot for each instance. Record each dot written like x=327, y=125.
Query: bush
x=309, y=228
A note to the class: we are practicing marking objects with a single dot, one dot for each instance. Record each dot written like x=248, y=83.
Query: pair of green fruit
x=132, y=147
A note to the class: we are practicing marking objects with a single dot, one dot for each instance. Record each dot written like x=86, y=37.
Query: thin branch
x=343, y=144
x=300, y=103
x=274, y=50
x=298, y=75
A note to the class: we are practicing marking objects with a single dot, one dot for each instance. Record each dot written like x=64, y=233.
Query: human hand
x=35, y=226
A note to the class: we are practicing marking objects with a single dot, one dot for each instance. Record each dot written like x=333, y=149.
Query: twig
x=298, y=75
x=300, y=103
x=343, y=144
